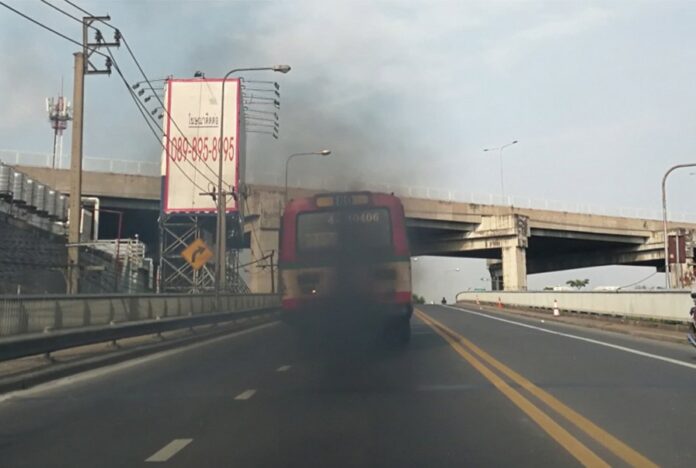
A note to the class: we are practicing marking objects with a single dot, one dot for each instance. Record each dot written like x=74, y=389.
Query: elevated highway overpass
x=516, y=241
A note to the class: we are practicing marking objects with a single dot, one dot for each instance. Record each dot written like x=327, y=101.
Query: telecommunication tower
x=59, y=113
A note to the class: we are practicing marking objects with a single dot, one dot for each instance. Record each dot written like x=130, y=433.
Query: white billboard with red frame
x=190, y=163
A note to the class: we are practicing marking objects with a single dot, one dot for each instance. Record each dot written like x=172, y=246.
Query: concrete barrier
x=656, y=305
x=35, y=314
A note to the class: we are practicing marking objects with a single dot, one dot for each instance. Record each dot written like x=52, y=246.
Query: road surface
x=470, y=390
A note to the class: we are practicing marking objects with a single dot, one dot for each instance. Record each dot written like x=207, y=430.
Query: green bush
x=418, y=299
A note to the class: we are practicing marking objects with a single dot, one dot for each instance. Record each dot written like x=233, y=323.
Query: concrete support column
x=681, y=275
x=263, y=242
x=514, y=268
x=495, y=268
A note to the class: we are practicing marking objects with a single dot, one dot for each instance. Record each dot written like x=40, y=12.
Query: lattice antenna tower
x=59, y=112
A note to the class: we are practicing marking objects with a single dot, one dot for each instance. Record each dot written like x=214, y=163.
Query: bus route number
x=343, y=200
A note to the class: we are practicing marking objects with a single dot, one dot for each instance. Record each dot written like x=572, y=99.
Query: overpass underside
x=516, y=241
x=516, y=246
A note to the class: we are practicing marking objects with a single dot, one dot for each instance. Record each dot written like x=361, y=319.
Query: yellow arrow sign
x=197, y=254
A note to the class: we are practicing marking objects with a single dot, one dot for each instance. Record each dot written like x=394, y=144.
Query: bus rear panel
x=344, y=261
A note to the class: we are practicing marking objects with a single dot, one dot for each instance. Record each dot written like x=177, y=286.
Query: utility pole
x=83, y=66
x=76, y=175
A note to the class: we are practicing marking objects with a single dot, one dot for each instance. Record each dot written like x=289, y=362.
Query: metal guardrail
x=670, y=306
x=43, y=324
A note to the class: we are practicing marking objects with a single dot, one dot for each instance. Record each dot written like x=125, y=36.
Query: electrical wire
x=637, y=282
x=147, y=116
x=166, y=110
x=152, y=88
x=38, y=23
x=256, y=261
x=253, y=234
x=45, y=2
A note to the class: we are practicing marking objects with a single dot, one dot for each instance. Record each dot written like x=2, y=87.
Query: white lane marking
x=169, y=450
x=283, y=369
x=245, y=395
x=582, y=338
x=91, y=374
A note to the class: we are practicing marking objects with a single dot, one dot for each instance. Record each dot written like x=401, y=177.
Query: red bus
x=344, y=259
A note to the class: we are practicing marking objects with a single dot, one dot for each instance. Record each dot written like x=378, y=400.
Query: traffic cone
x=500, y=303
x=556, y=312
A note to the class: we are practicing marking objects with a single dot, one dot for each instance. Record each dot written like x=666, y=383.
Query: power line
x=138, y=103
x=166, y=110
x=147, y=116
x=38, y=23
x=159, y=99
x=87, y=13
x=68, y=14
x=110, y=56
x=253, y=234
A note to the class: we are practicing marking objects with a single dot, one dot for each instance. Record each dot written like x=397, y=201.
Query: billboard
x=190, y=160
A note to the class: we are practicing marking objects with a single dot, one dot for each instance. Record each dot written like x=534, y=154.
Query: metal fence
x=670, y=306
x=149, y=168
x=119, y=166
x=444, y=194
x=42, y=314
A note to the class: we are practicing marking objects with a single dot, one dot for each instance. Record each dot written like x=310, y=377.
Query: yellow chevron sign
x=197, y=254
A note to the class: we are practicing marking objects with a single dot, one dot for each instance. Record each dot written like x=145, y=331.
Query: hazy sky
x=599, y=94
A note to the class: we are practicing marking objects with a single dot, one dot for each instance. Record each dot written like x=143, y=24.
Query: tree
x=418, y=299
x=578, y=283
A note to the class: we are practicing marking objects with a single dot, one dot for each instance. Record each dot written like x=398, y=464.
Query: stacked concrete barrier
x=656, y=305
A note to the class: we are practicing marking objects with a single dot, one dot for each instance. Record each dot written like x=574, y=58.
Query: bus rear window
x=347, y=230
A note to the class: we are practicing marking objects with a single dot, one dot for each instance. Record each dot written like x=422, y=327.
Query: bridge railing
x=672, y=306
x=148, y=168
x=435, y=193
x=43, y=324
x=119, y=166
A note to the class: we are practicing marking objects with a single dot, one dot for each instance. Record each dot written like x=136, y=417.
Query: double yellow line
x=479, y=358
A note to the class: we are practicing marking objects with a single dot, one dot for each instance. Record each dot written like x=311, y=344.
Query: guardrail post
x=149, y=308
x=178, y=307
x=112, y=312
x=57, y=316
x=86, y=314
x=133, y=308
x=23, y=318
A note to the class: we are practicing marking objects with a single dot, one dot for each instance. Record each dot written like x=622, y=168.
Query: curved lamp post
x=325, y=152
x=668, y=282
x=500, y=152
x=221, y=279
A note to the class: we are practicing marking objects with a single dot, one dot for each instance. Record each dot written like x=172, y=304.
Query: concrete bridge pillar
x=495, y=268
x=263, y=274
x=262, y=224
x=514, y=268
x=510, y=234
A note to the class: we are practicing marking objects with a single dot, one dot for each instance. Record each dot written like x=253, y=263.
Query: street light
x=668, y=282
x=221, y=278
x=325, y=152
x=500, y=152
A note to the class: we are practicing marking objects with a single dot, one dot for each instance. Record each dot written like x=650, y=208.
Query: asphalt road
x=470, y=390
